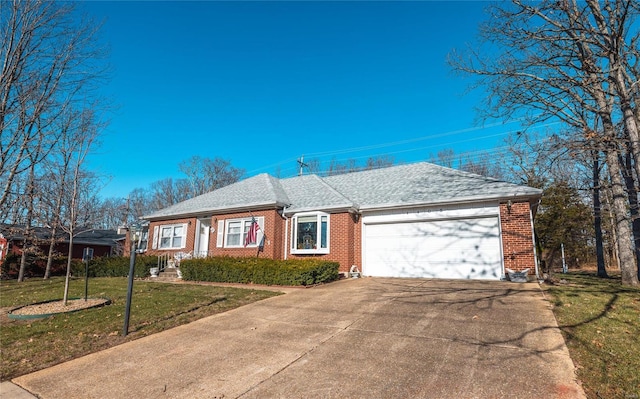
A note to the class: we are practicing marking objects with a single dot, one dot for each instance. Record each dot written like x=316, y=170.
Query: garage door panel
x=464, y=248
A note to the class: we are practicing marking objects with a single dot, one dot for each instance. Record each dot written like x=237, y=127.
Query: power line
x=289, y=171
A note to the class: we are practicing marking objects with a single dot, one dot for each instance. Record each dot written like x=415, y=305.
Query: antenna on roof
x=302, y=165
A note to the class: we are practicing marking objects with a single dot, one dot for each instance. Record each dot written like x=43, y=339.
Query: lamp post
x=134, y=236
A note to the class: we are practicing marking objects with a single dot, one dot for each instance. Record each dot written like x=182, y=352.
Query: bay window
x=310, y=233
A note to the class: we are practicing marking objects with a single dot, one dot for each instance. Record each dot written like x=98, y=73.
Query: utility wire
x=291, y=171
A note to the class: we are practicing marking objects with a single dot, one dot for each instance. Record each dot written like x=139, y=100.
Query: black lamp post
x=134, y=235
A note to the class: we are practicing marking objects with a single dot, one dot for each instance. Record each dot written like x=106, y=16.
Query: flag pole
x=259, y=244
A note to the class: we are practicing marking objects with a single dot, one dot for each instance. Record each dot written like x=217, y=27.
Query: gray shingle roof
x=422, y=183
x=310, y=192
x=397, y=186
x=261, y=191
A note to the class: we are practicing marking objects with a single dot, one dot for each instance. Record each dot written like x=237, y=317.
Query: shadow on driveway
x=361, y=338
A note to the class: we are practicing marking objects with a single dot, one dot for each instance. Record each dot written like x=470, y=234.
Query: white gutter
x=535, y=251
x=211, y=211
x=286, y=231
x=332, y=209
x=467, y=200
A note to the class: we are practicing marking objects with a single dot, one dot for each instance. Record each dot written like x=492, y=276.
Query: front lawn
x=30, y=345
x=600, y=321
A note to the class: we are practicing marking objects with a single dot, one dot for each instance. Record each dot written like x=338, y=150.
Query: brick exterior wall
x=345, y=237
x=191, y=237
x=344, y=242
x=272, y=231
x=517, y=237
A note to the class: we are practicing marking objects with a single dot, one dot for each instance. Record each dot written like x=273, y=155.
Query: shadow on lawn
x=492, y=301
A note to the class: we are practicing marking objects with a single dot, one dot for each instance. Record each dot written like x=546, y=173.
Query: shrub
x=116, y=266
x=35, y=266
x=224, y=269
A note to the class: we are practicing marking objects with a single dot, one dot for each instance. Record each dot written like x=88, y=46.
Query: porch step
x=169, y=274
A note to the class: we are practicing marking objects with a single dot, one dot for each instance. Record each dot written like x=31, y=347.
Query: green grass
x=30, y=345
x=600, y=320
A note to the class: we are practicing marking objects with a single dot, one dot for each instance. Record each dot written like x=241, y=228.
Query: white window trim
x=245, y=222
x=173, y=226
x=294, y=233
x=143, y=244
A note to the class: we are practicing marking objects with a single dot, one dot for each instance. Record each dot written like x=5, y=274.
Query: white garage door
x=456, y=249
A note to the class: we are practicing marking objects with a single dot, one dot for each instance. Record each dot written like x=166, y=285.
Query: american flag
x=252, y=234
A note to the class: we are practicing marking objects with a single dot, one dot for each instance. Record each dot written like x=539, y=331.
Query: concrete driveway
x=362, y=338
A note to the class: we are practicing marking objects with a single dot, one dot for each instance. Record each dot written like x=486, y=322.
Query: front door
x=202, y=238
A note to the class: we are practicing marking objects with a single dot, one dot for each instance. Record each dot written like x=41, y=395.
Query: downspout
x=533, y=237
x=286, y=231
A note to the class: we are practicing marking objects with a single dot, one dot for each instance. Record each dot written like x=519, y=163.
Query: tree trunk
x=28, y=221
x=68, y=275
x=623, y=226
x=23, y=260
x=612, y=248
x=597, y=217
x=632, y=194
x=52, y=244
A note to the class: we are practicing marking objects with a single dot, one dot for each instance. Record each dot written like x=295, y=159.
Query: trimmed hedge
x=225, y=269
x=116, y=266
x=35, y=266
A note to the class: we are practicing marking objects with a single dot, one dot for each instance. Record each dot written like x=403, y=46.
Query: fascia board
x=332, y=209
x=467, y=200
x=216, y=211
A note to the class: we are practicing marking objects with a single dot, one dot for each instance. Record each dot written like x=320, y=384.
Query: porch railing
x=202, y=254
x=163, y=260
x=173, y=259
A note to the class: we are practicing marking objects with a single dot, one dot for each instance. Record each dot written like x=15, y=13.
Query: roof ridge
x=467, y=173
x=277, y=185
x=334, y=190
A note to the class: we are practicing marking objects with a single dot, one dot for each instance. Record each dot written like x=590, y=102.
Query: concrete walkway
x=363, y=338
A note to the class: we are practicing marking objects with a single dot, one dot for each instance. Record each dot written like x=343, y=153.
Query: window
x=144, y=240
x=173, y=236
x=310, y=233
x=236, y=232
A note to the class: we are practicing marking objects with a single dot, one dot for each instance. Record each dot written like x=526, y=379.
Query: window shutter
x=184, y=237
x=156, y=232
x=220, y=242
x=260, y=234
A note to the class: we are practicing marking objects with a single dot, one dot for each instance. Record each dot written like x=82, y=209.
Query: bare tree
x=597, y=214
x=341, y=167
x=137, y=204
x=351, y=165
x=378, y=162
x=57, y=174
x=113, y=212
x=445, y=157
x=30, y=194
x=81, y=138
x=206, y=174
x=566, y=60
x=482, y=164
x=167, y=192
x=313, y=166
x=47, y=63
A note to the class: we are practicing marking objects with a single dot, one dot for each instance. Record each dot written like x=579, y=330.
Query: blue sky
x=262, y=83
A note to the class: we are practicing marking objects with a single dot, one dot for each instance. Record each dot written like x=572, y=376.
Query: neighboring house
x=415, y=220
x=102, y=242
x=3, y=247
